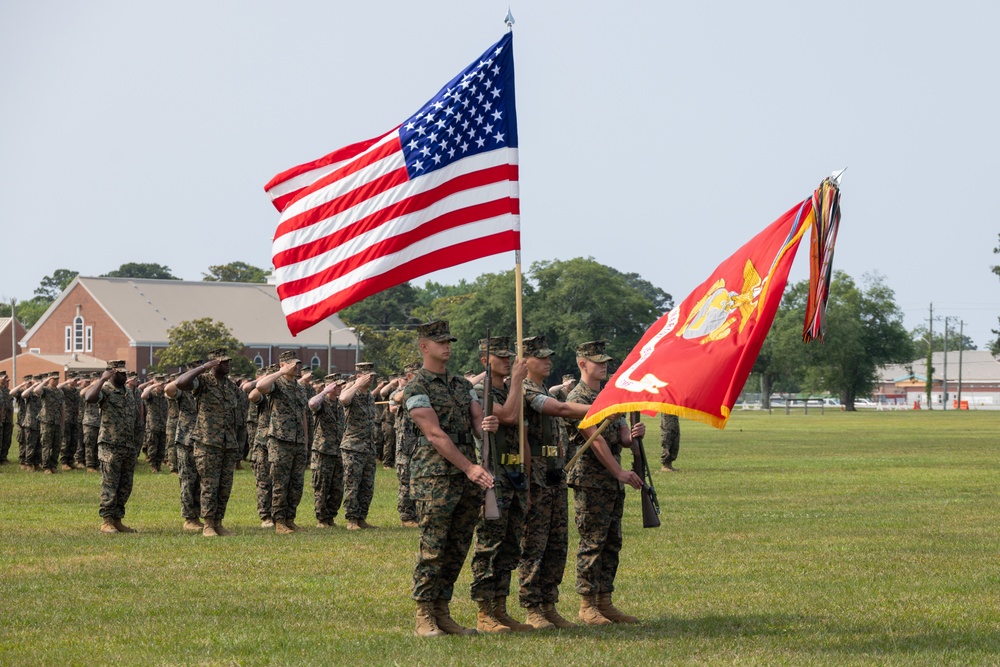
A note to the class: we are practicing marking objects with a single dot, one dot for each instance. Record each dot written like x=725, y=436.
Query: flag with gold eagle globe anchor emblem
x=694, y=360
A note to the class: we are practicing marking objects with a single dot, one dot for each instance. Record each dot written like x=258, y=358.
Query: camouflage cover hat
x=160, y=377
x=536, y=346
x=437, y=331
x=118, y=366
x=273, y=368
x=289, y=355
x=499, y=346
x=593, y=351
x=413, y=368
x=25, y=378
x=191, y=365
x=132, y=374
x=569, y=378
x=364, y=366
x=222, y=354
x=54, y=374
x=332, y=377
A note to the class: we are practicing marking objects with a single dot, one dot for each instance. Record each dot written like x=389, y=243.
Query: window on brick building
x=90, y=339
x=258, y=361
x=78, y=334
x=69, y=339
x=314, y=363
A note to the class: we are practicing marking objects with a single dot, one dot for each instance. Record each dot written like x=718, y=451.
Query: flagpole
x=520, y=350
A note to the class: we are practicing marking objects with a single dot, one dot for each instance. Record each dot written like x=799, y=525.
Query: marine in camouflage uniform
x=258, y=450
x=387, y=424
x=544, y=544
x=173, y=411
x=561, y=391
x=445, y=482
x=497, y=547
x=80, y=457
x=155, y=437
x=357, y=448
x=91, y=431
x=50, y=420
x=187, y=469
x=326, y=462
x=216, y=449
x=670, y=440
x=287, y=439
x=28, y=405
x=116, y=448
x=406, y=440
x=6, y=417
x=71, y=423
x=599, y=494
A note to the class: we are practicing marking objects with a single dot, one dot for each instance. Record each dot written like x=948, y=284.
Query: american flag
x=439, y=190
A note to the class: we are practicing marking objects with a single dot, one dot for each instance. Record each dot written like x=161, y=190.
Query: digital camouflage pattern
x=6, y=422
x=406, y=440
x=448, y=508
x=359, y=483
x=215, y=466
x=187, y=469
x=588, y=470
x=71, y=423
x=259, y=460
x=598, y=504
x=670, y=438
x=289, y=411
x=328, y=484
x=450, y=397
x=388, y=426
x=119, y=414
x=287, y=462
x=117, y=471
x=218, y=414
x=544, y=546
x=546, y=437
x=328, y=426
x=359, y=428
x=498, y=543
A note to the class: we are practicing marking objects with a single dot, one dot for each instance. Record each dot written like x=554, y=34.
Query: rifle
x=650, y=506
x=491, y=510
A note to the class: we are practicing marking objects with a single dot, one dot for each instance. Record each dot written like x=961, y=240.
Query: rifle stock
x=490, y=509
x=650, y=506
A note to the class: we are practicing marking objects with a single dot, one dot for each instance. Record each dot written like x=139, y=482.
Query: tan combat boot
x=220, y=530
x=353, y=525
x=209, y=529
x=426, y=625
x=281, y=527
x=536, y=617
x=609, y=611
x=444, y=620
x=500, y=613
x=324, y=524
x=486, y=621
x=108, y=527
x=291, y=524
x=122, y=528
x=193, y=524
x=410, y=524
x=267, y=523
x=553, y=616
x=364, y=524
x=589, y=613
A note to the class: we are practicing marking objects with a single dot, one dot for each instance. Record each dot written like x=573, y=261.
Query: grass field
x=836, y=539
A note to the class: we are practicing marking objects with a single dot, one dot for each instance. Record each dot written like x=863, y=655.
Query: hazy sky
x=655, y=137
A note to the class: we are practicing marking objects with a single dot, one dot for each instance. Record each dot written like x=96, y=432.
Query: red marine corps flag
x=694, y=361
x=439, y=190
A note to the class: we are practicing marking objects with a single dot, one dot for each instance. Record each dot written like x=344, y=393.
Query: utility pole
x=13, y=342
x=944, y=388
x=930, y=357
x=961, y=346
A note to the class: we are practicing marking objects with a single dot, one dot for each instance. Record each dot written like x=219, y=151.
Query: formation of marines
x=427, y=423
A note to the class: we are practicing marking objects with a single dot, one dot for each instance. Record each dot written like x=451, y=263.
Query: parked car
x=860, y=403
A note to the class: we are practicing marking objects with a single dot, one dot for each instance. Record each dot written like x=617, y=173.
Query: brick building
x=97, y=319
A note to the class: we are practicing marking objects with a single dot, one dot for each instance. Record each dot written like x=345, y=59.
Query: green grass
x=836, y=539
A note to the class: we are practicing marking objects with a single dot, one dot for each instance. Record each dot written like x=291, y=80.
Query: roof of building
x=73, y=362
x=146, y=309
x=977, y=366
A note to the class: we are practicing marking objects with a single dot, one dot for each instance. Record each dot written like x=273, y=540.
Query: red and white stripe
x=364, y=226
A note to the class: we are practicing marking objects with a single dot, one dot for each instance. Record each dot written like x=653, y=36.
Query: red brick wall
x=5, y=341
x=110, y=342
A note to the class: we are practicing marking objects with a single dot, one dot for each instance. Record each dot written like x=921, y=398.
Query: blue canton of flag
x=472, y=114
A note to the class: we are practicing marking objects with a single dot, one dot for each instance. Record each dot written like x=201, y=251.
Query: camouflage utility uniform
x=287, y=446
x=216, y=449
x=155, y=437
x=173, y=410
x=447, y=502
x=50, y=422
x=358, y=451
x=326, y=463
x=187, y=469
x=599, y=502
x=71, y=425
x=258, y=458
x=91, y=431
x=546, y=530
x=116, y=448
x=406, y=441
x=670, y=439
x=498, y=542
x=6, y=422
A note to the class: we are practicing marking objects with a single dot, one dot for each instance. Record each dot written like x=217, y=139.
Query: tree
x=389, y=349
x=141, y=270
x=388, y=308
x=52, y=286
x=235, y=272
x=194, y=339
x=28, y=312
x=864, y=331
